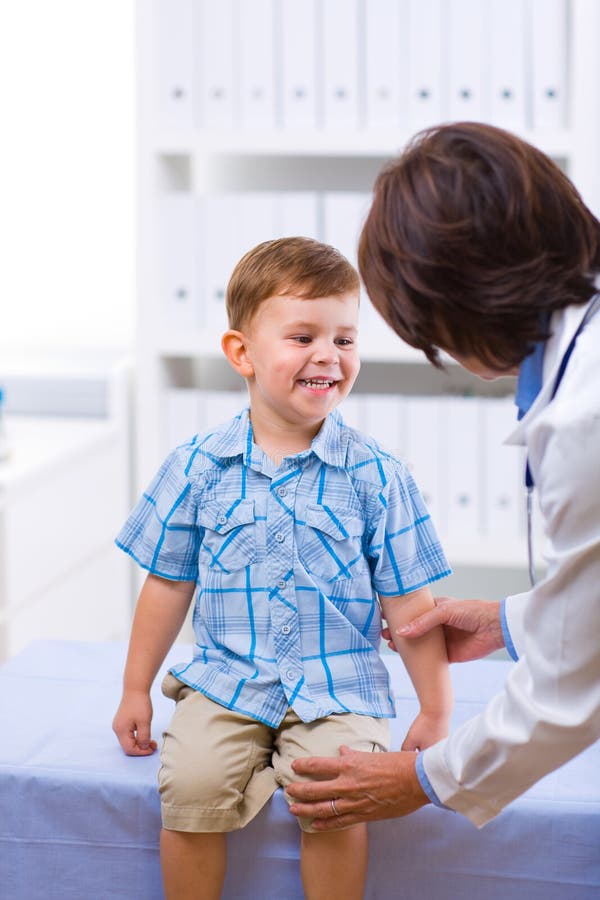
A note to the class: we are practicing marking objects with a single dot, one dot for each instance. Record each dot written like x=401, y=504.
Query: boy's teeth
x=318, y=382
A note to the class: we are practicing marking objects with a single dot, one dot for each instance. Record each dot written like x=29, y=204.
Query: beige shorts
x=219, y=767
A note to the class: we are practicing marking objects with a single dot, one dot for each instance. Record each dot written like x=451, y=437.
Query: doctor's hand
x=472, y=628
x=363, y=787
x=131, y=724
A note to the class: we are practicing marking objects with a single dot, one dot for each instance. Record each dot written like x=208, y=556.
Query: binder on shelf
x=386, y=63
x=257, y=64
x=548, y=35
x=257, y=219
x=351, y=411
x=218, y=58
x=221, y=251
x=175, y=36
x=467, y=60
x=340, y=49
x=425, y=450
x=298, y=63
x=460, y=441
x=343, y=215
x=220, y=406
x=426, y=33
x=508, y=64
x=183, y=416
x=179, y=242
x=503, y=467
x=384, y=419
x=298, y=214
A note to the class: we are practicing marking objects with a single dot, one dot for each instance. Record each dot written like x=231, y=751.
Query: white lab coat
x=549, y=709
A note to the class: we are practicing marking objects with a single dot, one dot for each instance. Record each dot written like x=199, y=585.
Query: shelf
x=194, y=162
x=556, y=143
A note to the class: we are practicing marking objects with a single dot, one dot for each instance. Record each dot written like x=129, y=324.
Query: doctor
x=478, y=245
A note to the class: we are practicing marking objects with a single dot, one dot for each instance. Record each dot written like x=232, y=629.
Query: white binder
x=179, y=242
x=386, y=63
x=298, y=214
x=183, y=416
x=340, y=43
x=460, y=442
x=257, y=64
x=384, y=418
x=351, y=411
x=426, y=39
x=548, y=35
x=425, y=453
x=468, y=60
x=508, y=26
x=175, y=35
x=504, y=468
x=221, y=252
x=298, y=59
x=220, y=406
x=218, y=57
x=343, y=215
x=257, y=218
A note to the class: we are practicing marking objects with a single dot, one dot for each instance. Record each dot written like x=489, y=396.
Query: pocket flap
x=223, y=517
x=334, y=521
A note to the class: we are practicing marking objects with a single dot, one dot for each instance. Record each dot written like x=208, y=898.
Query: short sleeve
x=405, y=551
x=161, y=533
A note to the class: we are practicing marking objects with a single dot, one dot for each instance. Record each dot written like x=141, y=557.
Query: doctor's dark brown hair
x=472, y=236
x=295, y=265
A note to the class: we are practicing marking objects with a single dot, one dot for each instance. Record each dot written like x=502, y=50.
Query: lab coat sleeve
x=549, y=709
x=513, y=624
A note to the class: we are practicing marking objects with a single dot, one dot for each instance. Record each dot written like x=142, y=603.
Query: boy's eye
x=303, y=338
x=344, y=342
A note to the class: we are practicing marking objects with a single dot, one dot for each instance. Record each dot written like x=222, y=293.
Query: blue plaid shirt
x=287, y=559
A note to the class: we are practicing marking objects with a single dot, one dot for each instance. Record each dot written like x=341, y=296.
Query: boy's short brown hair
x=293, y=265
x=474, y=237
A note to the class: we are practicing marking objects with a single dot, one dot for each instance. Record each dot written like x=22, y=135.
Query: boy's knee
x=199, y=785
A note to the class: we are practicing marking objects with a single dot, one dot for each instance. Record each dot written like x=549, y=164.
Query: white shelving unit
x=195, y=160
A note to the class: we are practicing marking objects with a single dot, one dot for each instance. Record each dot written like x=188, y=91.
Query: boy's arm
x=427, y=664
x=159, y=615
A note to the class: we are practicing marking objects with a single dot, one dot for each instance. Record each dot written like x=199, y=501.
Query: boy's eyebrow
x=312, y=325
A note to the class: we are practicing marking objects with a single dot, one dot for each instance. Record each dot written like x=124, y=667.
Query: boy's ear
x=235, y=347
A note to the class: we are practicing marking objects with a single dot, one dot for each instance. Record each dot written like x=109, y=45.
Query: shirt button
x=282, y=491
x=222, y=520
x=281, y=584
x=279, y=537
x=285, y=629
x=290, y=674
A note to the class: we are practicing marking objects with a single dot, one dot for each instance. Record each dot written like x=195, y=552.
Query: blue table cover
x=80, y=821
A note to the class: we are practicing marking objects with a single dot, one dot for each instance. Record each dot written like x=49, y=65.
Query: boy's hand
x=426, y=730
x=132, y=724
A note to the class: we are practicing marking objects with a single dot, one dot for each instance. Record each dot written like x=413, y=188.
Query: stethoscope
x=529, y=482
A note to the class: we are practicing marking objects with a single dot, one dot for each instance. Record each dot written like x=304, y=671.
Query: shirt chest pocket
x=330, y=543
x=230, y=539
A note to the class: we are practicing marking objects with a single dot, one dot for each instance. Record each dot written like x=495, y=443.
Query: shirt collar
x=531, y=372
x=235, y=439
x=232, y=439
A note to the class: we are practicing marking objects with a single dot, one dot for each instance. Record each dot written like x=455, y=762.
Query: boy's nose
x=325, y=352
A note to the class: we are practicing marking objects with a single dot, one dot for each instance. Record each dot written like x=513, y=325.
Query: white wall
x=66, y=174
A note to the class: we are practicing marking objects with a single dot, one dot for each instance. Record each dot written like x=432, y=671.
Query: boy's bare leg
x=334, y=864
x=193, y=864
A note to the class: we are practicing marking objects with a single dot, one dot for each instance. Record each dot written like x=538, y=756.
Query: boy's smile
x=303, y=361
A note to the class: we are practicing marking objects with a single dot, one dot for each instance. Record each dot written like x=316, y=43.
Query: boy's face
x=304, y=358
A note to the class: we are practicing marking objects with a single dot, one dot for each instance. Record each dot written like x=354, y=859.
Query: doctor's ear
x=235, y=347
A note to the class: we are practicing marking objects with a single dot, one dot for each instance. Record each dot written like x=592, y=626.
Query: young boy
x=286, y=525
